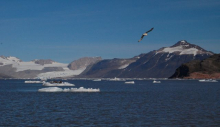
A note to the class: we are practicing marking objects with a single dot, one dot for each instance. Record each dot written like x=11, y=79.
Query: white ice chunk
x=57, y=89
x=32, y=81
x=82, y=89
x=57, y=84
x=51, y=89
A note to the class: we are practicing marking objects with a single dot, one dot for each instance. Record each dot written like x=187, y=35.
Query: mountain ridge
x=160, y=63
x=13, y=67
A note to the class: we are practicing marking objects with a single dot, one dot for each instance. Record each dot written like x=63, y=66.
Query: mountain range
x=13, y=67
x=160, y=63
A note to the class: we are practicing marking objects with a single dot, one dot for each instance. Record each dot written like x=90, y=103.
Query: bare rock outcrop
x=83, y=62
x=200, y=69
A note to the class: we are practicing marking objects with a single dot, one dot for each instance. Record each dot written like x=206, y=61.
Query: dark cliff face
x=207, y=67
x=184, y=69
x=181, y=72
x=160, y=63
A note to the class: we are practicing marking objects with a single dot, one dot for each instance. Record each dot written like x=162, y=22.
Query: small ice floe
x=80, y=89
x=156, y=81
x=116, y=79
x=33, y=82
x=208, y=80
x=57, y=89
x=57, y=83
x=51, y=89
x=97, y=80
x=130, y=82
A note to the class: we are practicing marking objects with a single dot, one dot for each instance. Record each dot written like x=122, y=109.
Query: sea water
x=170, y=103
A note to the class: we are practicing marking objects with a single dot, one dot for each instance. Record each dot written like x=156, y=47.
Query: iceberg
x=156, y=81
x=59, y=83
x=130, y=82
x=80, y=89
x=96, y=80
x=51, y=89
x=57, y=89
x=116, y=79
x=208, y=80
x=33, y=82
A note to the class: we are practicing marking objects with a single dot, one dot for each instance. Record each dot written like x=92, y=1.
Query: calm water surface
x=171, y=103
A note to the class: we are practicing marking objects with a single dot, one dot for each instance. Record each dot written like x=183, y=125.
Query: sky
x=66, y=30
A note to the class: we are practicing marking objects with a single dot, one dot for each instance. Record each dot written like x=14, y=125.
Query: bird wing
x=141, y=38
x=150, y=30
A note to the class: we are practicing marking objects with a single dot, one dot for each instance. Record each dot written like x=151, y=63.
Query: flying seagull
x=145, y=34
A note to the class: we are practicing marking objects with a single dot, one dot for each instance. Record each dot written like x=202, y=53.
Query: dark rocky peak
x=42, y=62
x=182, y=42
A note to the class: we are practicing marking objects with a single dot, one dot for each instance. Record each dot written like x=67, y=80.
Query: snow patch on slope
x=123, y=66
x=31, y=65
x=180, y=49
x=184, y=42
x=190, y=51
x=11, y=58
x=168, y=57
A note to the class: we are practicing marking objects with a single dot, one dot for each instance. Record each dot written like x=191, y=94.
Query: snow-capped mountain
x=160, y=63
x=9, y=59
x=16, y=68
x=184, y=48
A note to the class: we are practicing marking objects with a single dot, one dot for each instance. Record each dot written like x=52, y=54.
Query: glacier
x=21, y=66
x=65, y=73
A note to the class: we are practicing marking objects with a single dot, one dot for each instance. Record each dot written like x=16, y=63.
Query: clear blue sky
x=65, y=30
